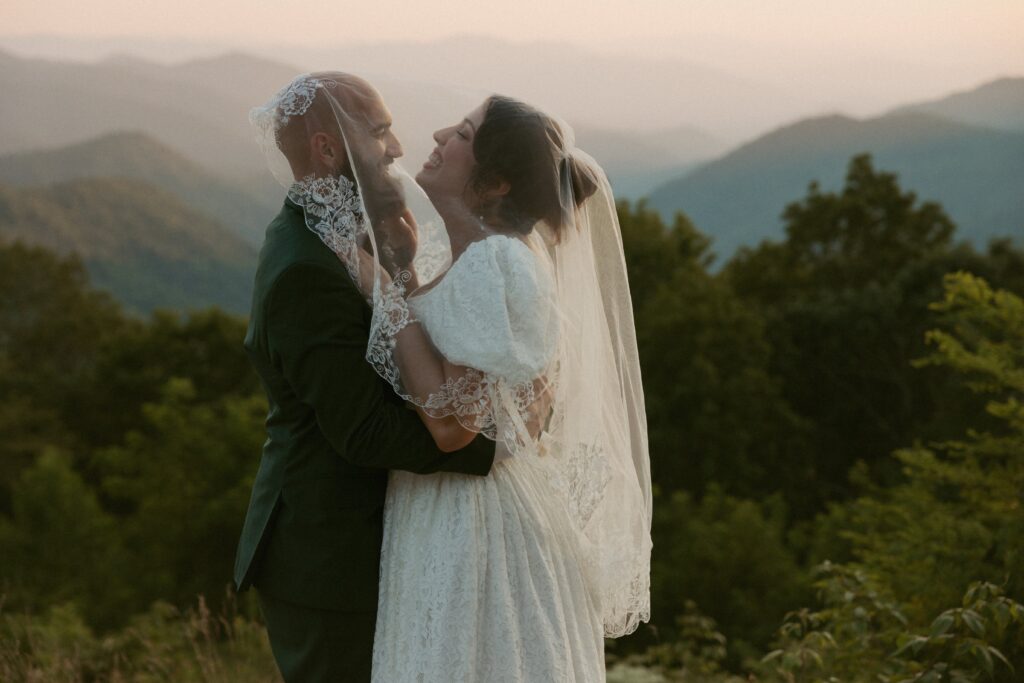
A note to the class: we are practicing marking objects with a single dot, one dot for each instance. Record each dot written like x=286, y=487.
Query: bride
x=500, y=306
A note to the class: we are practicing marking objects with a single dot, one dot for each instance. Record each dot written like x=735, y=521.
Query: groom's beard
x=383, y=200
x=382, y=194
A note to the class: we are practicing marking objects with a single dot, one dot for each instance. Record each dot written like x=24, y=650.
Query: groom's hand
x=400, y=237
x=407, y=238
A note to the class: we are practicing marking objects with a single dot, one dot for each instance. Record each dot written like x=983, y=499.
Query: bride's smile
x=449, y=168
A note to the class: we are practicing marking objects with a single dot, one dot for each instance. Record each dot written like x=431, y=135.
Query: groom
x=312, y=535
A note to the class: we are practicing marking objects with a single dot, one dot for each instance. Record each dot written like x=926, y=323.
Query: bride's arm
x=423, y=370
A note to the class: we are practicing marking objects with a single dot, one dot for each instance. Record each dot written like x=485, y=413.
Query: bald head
x=349, y=90
x=346, y=116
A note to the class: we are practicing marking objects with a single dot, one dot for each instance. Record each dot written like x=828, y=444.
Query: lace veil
x=550, y=369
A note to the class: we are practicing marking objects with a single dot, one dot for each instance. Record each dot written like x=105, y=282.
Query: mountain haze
x=51, y=104
x=139, y=156
x=141, y=243
x=597, y=89
x=976, y=173
x=181, y=133
x=999, y=104
x=638, y=162
x=200, y=109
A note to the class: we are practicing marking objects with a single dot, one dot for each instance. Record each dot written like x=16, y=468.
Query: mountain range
x=965, y=152
x=170, y=193
x=602, y=88
x=138, y=156
x=637, y=162
x=998, y=104
x=141, y=243
x=51, y=104
x=200, y=109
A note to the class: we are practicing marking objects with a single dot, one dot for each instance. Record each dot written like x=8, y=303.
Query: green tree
x=860, y=635
x=952, y=528
x=133, y=368
x=958, y=517
x=715, y=412
x=52, y=330
x=128, y=445
x=729, y=556
x=59, y=545
x=181, y=482
x=845, y=299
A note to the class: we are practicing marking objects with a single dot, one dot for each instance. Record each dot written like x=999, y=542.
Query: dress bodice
x=493, y=310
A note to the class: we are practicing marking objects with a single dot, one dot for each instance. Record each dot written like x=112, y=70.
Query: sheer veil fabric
x=545, y=362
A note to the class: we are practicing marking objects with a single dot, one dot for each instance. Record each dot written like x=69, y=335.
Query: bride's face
x=447, y=171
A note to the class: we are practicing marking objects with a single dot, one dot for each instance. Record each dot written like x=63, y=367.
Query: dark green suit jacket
x=313, y=531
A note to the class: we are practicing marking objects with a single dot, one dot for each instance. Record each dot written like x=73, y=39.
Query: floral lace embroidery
x=433, y=255
x=294, y=99
x=583, y=477
x=390, y=315
x=334, y=212
x=337, y=211
x=480, y=400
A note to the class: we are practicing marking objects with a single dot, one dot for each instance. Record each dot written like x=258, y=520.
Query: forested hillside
x=977, y=173
x=143, y=244
x=837, y=444
x=140, y=157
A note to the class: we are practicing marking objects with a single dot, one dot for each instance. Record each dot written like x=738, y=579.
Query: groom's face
x=378, y=146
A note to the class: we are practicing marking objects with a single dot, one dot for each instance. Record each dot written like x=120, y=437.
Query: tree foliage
x=835, y=396
x=715, y=411
x=845, y=298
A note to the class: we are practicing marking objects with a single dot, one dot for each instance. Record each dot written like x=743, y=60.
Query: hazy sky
x=863, y=55
x=990, y=31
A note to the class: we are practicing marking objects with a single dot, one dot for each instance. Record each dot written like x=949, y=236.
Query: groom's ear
x=328, y=152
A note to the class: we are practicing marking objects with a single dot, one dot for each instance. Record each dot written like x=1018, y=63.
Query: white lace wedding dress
x=481, y=577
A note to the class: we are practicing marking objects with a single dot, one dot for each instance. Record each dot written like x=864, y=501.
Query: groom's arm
x=317, y=335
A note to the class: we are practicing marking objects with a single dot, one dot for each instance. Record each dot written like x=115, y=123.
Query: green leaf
x=1002, y=615
x=943, y=623
x=974, y=621
x=999, y=655
x=913, y=646
x=985, y=658
x=1017, y=610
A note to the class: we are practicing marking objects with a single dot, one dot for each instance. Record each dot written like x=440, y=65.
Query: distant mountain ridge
x=194, y=144
x=636, y=163
x=602, y=87
x=52, y=104
x=200, y=109
x=141, y=157
x=977, y=174
x=599, y=89
x=140, y=243
x=998, y=104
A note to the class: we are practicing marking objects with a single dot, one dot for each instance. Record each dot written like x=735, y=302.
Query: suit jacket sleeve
x=317, y=334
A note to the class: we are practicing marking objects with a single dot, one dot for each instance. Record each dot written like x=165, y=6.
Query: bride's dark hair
x=522, y=146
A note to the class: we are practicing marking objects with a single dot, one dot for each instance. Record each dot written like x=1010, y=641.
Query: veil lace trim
x=584, y=413
x=480, y=401
x=294, y=99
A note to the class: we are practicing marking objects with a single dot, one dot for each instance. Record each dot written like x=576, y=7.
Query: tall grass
x=163, y=644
